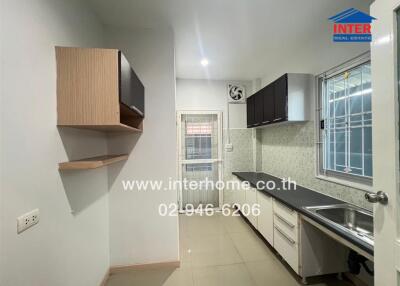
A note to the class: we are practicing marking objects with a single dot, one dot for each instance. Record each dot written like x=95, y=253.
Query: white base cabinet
x=307, y=250
x=235, y=194
x=266, y=217
x=248, y=209
x=286, y=240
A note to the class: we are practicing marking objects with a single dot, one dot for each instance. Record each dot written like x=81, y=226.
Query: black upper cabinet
x=258, y=108
x=131, y=89
x=281, y=98
x=289, y=98
x=269, y=104
x=250, y=111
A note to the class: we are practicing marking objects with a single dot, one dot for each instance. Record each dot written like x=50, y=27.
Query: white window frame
x=350, y=180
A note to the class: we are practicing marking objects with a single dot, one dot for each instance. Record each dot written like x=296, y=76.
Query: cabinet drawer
x=285, y=213
x=287, y=227
x=287, y=248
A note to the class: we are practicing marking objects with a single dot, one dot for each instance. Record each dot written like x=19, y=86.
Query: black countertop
x=299, y=198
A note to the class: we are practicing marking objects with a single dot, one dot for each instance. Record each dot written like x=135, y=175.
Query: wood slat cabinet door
x=281, y=98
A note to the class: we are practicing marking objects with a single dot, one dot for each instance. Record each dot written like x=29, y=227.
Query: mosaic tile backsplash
x=288, y=150
x=241, y=158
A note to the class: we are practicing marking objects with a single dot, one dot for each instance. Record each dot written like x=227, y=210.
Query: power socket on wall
x=27, y=220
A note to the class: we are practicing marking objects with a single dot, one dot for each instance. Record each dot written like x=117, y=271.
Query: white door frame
x=219, y=160
x=385, y=141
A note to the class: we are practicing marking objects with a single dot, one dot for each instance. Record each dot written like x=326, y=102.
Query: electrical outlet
x=27, y=220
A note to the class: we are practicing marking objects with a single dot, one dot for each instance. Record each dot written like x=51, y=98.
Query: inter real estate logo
x=352, y=25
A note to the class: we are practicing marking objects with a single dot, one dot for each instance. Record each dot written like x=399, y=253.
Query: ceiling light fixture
x=204, y=62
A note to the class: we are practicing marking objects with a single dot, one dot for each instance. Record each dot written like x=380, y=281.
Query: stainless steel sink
x=350, y=218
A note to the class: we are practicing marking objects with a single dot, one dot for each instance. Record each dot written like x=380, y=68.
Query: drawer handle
x=268, y=121
x=277, y=119
x=285, y=236
x=291, y=225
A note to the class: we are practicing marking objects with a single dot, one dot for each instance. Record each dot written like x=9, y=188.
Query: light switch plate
x=27, y=220
x=229, y=147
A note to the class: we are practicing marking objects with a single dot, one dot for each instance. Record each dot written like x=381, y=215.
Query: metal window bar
x=350, y=123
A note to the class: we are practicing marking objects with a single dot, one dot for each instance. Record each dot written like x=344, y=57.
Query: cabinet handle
x=285, y=236
x=289, y=224
x=276, y=119
x=268, y=121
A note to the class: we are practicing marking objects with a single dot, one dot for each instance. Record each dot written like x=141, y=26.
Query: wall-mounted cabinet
x=289, y=98
x=98, y=89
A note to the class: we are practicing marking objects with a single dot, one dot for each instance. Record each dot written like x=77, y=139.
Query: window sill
x=362, y=187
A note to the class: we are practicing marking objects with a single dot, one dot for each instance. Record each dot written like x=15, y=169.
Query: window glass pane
x=355, y=91
x=199, y=136
x=368, y=151
x=340, y=150
x=347, y=140
x=339, y=90
x=331, y=151
x=355, y=148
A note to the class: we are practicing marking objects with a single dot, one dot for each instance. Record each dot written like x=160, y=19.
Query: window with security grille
x=346, y=124
x=200, y=141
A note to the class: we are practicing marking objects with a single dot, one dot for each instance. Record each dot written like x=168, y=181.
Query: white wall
x=64, y=248
x=138, y=234
x=315, y=61
x=194, y=94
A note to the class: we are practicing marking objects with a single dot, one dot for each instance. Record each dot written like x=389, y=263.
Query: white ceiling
x=240, y=38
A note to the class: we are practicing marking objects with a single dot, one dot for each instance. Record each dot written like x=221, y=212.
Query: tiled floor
x=221, y=251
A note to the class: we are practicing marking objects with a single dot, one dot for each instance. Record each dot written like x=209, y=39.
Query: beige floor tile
x=185, y=259
x=270, y=272
x=202, y=225
x=209, y=242
x=208, y=250
x=220, y=251
x=232, y=275
x=160, y=277
x=251, y=247
x=234, y=224
x=224, y=256
x=206, y=227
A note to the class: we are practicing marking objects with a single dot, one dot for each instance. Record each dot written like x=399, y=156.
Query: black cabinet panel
x=250, y=111
x=259, y=108
x=131, y=89
x=268, y=104
x=280, y=97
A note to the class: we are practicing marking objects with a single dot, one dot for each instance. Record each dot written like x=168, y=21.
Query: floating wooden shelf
x=92, y=163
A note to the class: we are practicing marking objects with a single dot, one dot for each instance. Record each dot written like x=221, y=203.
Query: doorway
x=199, y=159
